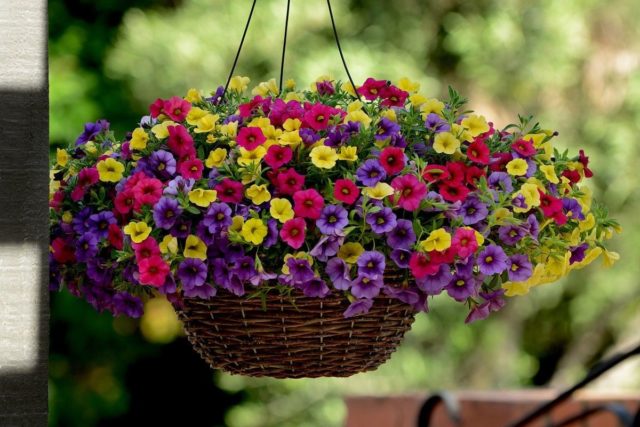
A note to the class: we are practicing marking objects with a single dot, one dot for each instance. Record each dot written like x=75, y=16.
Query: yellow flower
x=266, y=88
x=62, y=157
x=291, y=124
x=90, y=147
x=446, y=143
x=550, y=173
x=358, y=116
x=588, y=223
x=609, y=258
x=254, y=231
x=500, y=214
x=354, y=106
x=202, y=197
x=67, y=217
x=293, y=96
x=236, y=223
x=389, y=114
x=292, y=139
x=350, y=252
x=348, y=87
x=281, y=210
x=239, y=83
x=207, y=123
x=461, y=132
x=160, y=130
x=547, y=147
x=193, y=96
x=110, y=170
x=521, y=288
x=139, y=139
x=536, y=138
x=195, y=114
x=195, y=248
x=438, y=240
x=531, y=194
x=477, y=125
x=585, y=199
x=408, y=86
x=517, y=167
x=230, y=129
x=216, y=158
x=348, y=153
x=417, y=99
x=138, y=231
x=323, y=157
x=431, y=106
x=290, y=84
x=254, y=156
x=591, y=255
x=379, y=192
x=258, y=194
x=169, y=245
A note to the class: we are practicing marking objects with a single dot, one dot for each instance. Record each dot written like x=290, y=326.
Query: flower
x=250, y=138
x=229, y=191
x=358, y=307
x=86, y=247
x=191, y=168
x=478, y=152
x=216, y=158
x=110, y=170
x=317, y=117
x=333, y=219
x=323, y=157
x=519, y=268
x=278, y=156
x=258, y=194
x=446, y=143
x=162, y=163
x=202, y=197
x=386, y=129
x=371, y=89
x=254, y=231
x=99, y=223
x=461, y=287
x=147, y=191
x=166, y=212
x=153, y=271
x=524, y=148
x=371, y=172
x=315, y=288
x=492, y=260
x=367, y=286
x=421, y=265
x=289, y=181
x=192, y=273
x=138, y=231
x=195, y=248
x=293, y=232
x=139, y=139
x=371, y=264
x=411, y=191
x=346, y=191
x=473, y=211
x=381, y=191
x=438, y=240
x=308, y=204
x=281, y=210
x=350, y=252
x=464, y=242
x=517, y=167
x=392, y=160
x=348, y=154
x=176, y=108
x=338, y=272
x=402, y=235
x=511, y=234
x=381, y=221
x=218, y=217
x=180, y=142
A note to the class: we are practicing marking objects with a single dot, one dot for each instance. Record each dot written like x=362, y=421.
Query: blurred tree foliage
x=575, y=64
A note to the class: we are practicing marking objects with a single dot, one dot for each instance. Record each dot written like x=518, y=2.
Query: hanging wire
x=235, y=61
x=284, y=44
x=335, y=33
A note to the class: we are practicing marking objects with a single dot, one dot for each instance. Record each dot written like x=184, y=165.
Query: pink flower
x=372, y=89
x=229, y=191
x=392, y=160
x=293, y=232
x=478, y=152
x=346, y=191
x=146, y=249
x=247, y=109
x=250, y=137
x=524, y=148
x=180, y=141
x=393, y=96
x=464, y=242
x=191, y=168
x=153, y=271
x=115, y=237
x=156, y=108
x=146, y=192
x=317, y=117
x=411, y=190
x=421, y=265
x=289, y=181
x=277, y=156
x=124, y=201
x=308, y=204
x=176, y=108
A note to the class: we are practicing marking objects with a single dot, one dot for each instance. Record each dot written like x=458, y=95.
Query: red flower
x=478, y=152
x=453, y=191
x=421, y=265
x=435, y=173
x=411, y=191
x=78, y=193
x=573, y=176
x=229, y=191
x=308, y=204
x=62, y=250
x=317, y=117
x=289, y=181
x=191, y=168
x=372, y=89
x=445, y=257
x=278, y=156
x=133, y=180
x=550, y=205
x=180, y=141
x=499, y=161
x=156, y=108
x=585, y=163
x=176, y=108
x=247, y=109
x=293, y=232
x=153, y=271
x=146, y=249
x=393, y=96
x=473, y=174
x=457, y=171
x=115, y=236
x=346, y=191
x=124, y=201
x=392, y=160
x=250, y=137
x=147, y=192
x=56, y=201
x=524, y=148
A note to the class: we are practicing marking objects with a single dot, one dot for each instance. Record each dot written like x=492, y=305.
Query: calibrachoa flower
x=314, y=193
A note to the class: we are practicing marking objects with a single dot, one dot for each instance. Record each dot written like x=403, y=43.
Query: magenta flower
x=176, y=108
x=293, y=232
x=308, y=204
x=278, y=156
x=230, y=191
x=250, y=138
x=180, y=142
x=411, y=191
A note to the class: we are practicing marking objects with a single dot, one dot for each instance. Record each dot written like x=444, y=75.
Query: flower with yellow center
x=161, y=130
x=407, y=85
x=239, y=83
x=202, y=197
x=358, y=116
x=195, y=248
x=254, y=231
x=348, y=153
x=139, y=139
x=67, y=217
x=550, y=173
x=236, y=223
x=110, y=170
x=438, y=240
x=379, y=192
x=446, y=143
x=138, y=231
x=216, y=158
x=431, y=105
x=169, y=245
x=350, y=252
x=62, y=157
x=323, y=157
x=476, y=125
x=517, y=167
x=281, y=210
x=229, y=130
x=195, y=114
x=258, y=194
x=248, y=157
x=207, y=123
x=193, y=96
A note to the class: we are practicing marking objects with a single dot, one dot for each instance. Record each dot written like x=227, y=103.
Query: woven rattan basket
x=306, y=337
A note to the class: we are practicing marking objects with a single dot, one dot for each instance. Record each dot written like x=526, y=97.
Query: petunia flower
x=411, y=191
x=371, y=172
x=250, y=137
x=367, y=286
x=229, y=191
x=180, y=142
x=346, y=191
x=381, y=221
x=278, y=156
x=308, y=203
x=392, y=159
x=519, y=267
x=332, y=220
x=289, y=182
x=153, y=271
x=371, y=264
x=293, y=232
x=492, y=260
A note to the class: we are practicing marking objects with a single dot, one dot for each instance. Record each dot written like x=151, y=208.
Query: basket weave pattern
x=307, y=338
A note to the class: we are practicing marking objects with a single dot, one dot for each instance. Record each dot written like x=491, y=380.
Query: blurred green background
x=575, y=64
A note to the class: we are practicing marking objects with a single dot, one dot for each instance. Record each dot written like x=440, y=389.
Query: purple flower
x=99, y=223
x=492, y=260
x=162, y=164
x=533, y=226
x=338, y=272
x=100, y=273
x=359, y=306
x=272, y=233
x=204, y=291
x=202, y=231
x=371, y=264
x=244, y=268
x=407, y=296
x=401, y=257
x=86, y=247
x=314, y=288
x=325, y=87
x=397, y=140
x=500, y=181
x=495, y=299
x=218, y=217
x=166, y=212
x=262, y=276
x=366, y=287
x=382, y=221
x=572, y=209
x=434, y=284
x=181, y=228
x=578, y=253
x=309, y=136
x=371, y=172
x=192, y=273
x=511, y=234
x=326, y=247
x=436, y=123
x=332, y=220
x=519, y=268
x=124, y=303
x=300, y=270
x=169, y=287
x=402, y=236
x=80, y=222
x=461, y=287
x=179, y=185
x=386, y=128
x=472, y=211
x=91, y=130
x=478, y=312
x=519, y=202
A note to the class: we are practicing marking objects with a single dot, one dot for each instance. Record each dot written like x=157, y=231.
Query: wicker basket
x=309, y=339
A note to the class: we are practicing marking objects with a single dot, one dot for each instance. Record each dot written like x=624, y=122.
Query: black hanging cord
x=284, y=44
x=235, y=61
x=335, y=33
